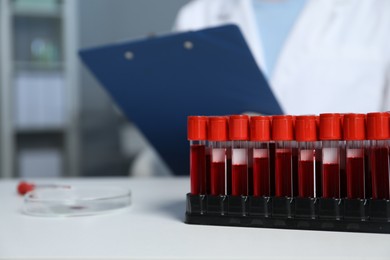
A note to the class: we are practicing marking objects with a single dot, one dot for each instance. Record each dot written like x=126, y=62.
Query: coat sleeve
x=191, y=16
x=386, y=90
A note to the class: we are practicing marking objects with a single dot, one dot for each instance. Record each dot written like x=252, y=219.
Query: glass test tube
x=343, y=156
x=218, y=136
x=294, y=153
x=354, y=134
x=378, y=134
x=367, y=169
x=330, y=134
x=208, y=167
x=229, y=168
x=260, y=127
x=239, y=134
x=295, y=162
x=272, y=166
x=197, y=135
x=250, y=167
x=318, y=162
x=282, y=134
x=306, y=135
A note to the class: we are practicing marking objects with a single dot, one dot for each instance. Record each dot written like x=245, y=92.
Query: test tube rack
x=350, y=194
x=326, y=214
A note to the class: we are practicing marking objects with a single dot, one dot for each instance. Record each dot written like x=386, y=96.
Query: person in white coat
x=335, y=57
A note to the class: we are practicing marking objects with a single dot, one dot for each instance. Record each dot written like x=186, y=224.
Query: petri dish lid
x=75, y=201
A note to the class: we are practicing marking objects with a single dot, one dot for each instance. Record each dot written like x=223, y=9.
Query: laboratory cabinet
x=39, y=86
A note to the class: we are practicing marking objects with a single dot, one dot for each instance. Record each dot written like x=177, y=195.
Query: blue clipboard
x=158, y=82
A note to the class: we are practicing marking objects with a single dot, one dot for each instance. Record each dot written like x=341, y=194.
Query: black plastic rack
x=349, y=215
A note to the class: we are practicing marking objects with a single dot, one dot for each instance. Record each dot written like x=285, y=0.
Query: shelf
x=38, y=13
x=36, y=138
x=37, y=10
x=40, y=130
x=36, y=89
x=37, y=40
x=38, y=65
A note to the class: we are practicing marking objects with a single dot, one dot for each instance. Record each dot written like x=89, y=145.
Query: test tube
x=355, y=134
x=260, y=136
x=318, y=161
x=239, y=135
x=378, y=134
x=282, y=134
x=367, y=167
x=294, y=146
x=306, y=136
x=330, y=135
x=343, y=156
x=272, y=165
x=197, y=135
x=250, y=167
x=229, y=168
x=218, y=140
x=208, y=167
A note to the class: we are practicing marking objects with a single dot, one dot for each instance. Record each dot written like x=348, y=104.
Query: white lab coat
x=335, y=59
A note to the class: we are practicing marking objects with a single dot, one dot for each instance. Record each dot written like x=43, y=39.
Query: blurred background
x=55, y=118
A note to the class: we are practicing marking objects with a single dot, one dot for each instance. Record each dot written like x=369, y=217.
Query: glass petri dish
x=75, y=201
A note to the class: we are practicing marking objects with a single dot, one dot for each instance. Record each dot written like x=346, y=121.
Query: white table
x=153, y=228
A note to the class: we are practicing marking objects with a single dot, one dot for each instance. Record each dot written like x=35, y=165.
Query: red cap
x=378, y=126
x=282, y=128
x=239, y=128
x=354, y=126
x=218, y=128
x=260, y=128
x=330, y=126
x=197, y=127
x=306, y=128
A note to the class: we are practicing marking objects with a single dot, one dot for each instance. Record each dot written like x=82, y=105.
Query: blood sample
x=330, y=135
x=306, y=136
x=272, y=166
x=218, y=136
x=294, y=152
x=197, y=135
x=294, y=158
x=239, y=135
x=354, y=134
x=250, y=168
x=260, y=127
x=367, y=170
x=282, y=134
x=378, y=134
x=229, y=169
x=318, y=168
x=343, y=176
x=208, y=168
x=318, y=162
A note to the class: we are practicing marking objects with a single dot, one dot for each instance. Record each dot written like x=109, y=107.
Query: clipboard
x=158, y=82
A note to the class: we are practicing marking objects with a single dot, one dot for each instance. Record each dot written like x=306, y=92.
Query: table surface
x=153, y=228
